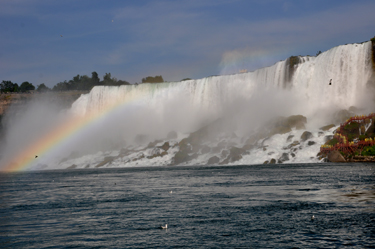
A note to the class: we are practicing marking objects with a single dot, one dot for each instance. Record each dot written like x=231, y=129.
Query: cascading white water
x=349, y=67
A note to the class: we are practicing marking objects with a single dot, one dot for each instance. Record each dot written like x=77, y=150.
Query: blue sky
x=175, y=39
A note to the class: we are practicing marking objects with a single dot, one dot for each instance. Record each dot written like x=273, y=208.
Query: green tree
x=108, y=81
x=26, y=86
x=42, y=88
x=95, y=80
x=62, y=86
x=150, y=79
x=8, y=86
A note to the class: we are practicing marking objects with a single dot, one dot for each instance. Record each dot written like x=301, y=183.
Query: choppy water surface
x=238, y=206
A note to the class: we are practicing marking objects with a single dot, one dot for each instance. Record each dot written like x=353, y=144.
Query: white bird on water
x=164, y=227
x=312, y=217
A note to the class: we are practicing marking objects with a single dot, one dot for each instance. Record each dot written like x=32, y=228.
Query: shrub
x=369, y=151
x=351, y=137
x=332, y=142
x=351, y=126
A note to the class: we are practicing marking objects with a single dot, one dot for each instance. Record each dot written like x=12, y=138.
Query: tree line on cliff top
x=79, y=82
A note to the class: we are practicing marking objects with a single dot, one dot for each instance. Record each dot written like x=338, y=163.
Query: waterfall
x=102, y=127
x=349, y=67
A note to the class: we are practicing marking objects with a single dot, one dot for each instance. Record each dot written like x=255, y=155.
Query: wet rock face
x=335, y=157
x=295, y=143
x=165, y=146
x=185, y=146
x=327, y=127
x=289, y=138
x=234, y=155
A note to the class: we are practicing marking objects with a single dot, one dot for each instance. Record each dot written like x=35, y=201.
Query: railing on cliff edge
x=343, y=144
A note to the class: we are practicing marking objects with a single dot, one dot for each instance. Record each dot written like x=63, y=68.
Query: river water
x=255, y=206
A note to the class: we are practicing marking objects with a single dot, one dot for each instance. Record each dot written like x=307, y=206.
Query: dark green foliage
x=185, y=79
x=369, y=151
x=62, y=86
x=318, y=53
x=351, y=126
x=8, y=86
x=351, y=137
x=95, y=81
x=156, y=79
x=332, y=142
x=26, y=86
x=42, y=88
x=293, y=60
x=362, y=137
x=85, y=83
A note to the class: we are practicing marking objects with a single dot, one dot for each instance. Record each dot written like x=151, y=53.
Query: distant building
x=243, y=71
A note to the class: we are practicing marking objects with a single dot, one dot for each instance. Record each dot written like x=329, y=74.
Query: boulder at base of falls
x=284, y=157
x=335, y=157
x=213, y=160
x=310, y=143
x=306, y=135
x=180, y=157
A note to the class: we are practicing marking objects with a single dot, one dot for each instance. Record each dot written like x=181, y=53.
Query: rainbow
x=60, y=134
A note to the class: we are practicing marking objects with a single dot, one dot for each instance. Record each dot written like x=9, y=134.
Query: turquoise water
x=238, y=206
